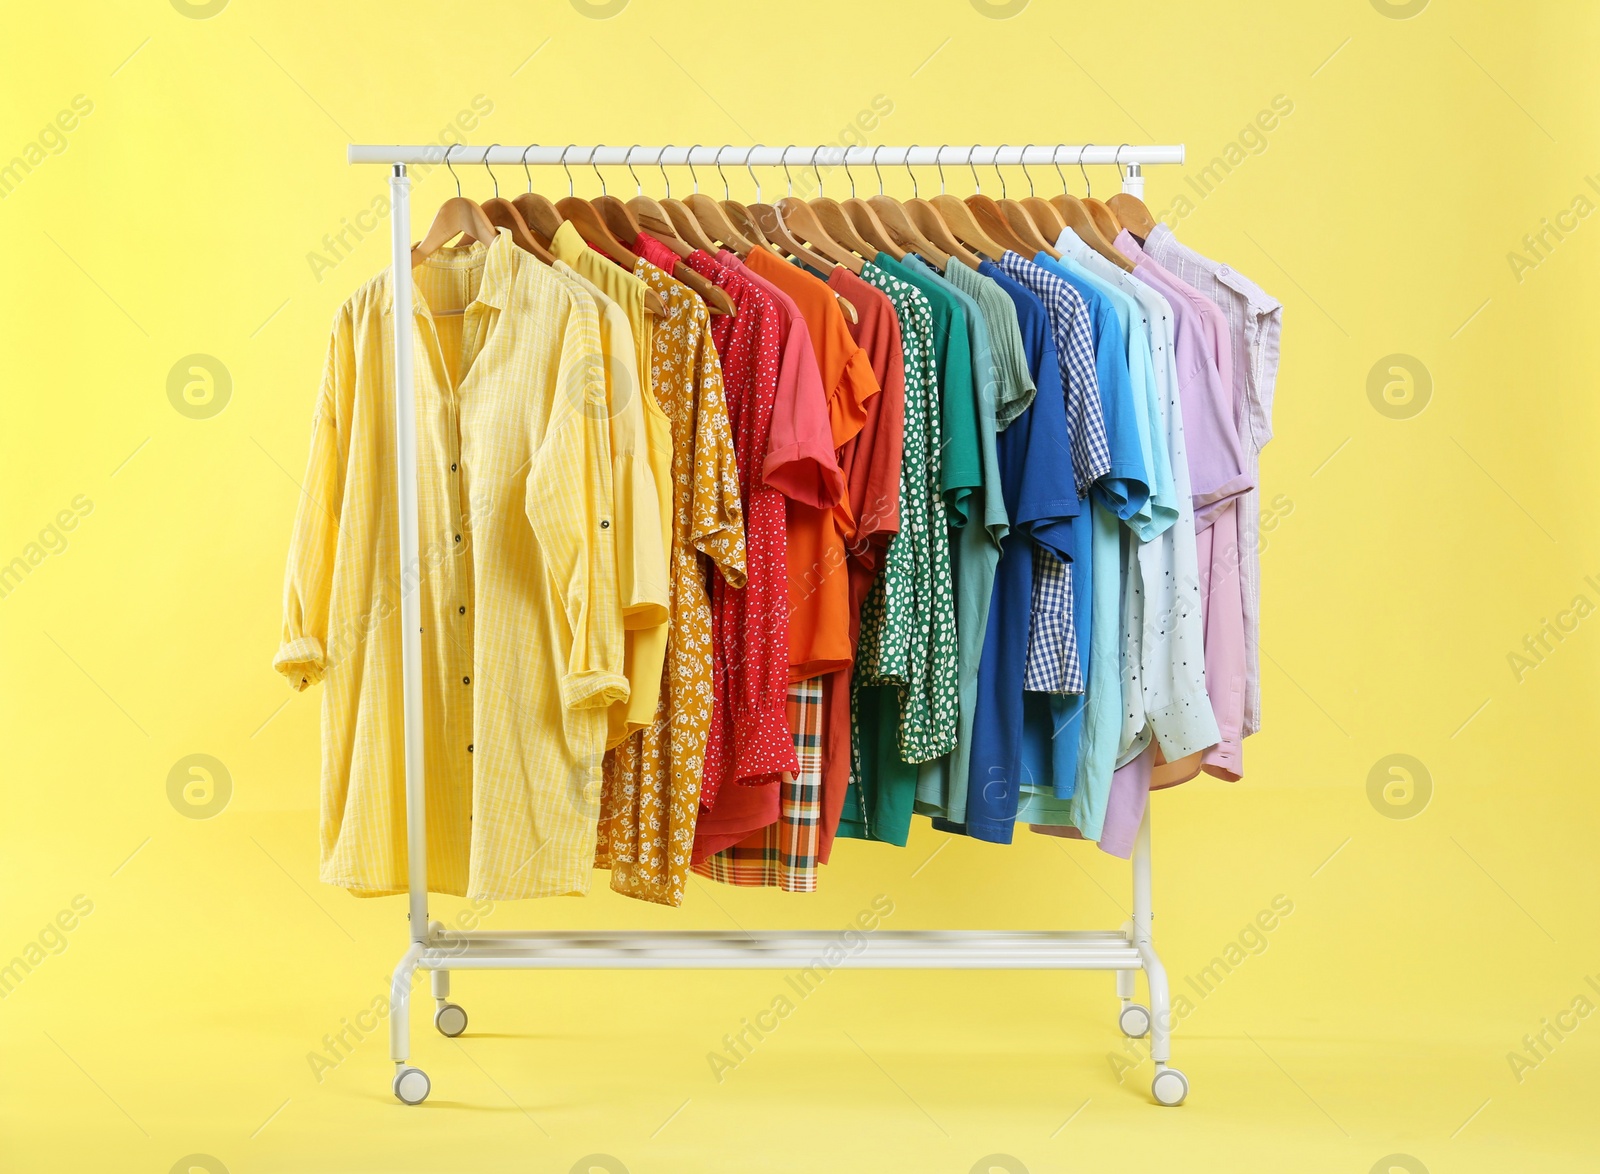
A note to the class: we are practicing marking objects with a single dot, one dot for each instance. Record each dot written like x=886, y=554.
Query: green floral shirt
x=908, y=622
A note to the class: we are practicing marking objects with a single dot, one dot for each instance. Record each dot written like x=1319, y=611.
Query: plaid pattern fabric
x=1052, y=665
x=783, y=855
x=1071, y=330
x=516, y=677
x=1255, y=322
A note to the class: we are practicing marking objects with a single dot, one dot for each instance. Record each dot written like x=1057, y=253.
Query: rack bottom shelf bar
x=782, y=950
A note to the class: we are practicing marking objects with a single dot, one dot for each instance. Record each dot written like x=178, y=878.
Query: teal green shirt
x=1002, y=380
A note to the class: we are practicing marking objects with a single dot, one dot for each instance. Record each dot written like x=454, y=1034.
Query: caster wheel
x=1169, y=1087
x=411, y=1086
x=1134, y=1021
x=450, y=1019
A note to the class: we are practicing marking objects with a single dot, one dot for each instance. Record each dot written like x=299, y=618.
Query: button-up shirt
x=514, y=494
x=1255, y=324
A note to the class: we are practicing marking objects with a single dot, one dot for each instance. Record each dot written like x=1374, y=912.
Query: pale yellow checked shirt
x=522, y=641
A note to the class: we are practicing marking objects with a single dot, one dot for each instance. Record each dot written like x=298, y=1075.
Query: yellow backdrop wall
x=178, y=225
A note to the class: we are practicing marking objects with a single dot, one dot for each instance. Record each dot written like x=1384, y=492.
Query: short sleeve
x=800, y=462
x=717, y=515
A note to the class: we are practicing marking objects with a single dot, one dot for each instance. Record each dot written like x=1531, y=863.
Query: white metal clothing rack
x=434, y=949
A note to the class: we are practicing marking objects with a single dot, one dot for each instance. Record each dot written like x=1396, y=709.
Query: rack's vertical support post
x=1155, y=974
x=405, y=425
x=1133, y=179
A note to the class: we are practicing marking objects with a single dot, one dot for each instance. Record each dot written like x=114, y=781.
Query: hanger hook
x=596, y=168
x=995, y=163
x=490, y=170
x=815, y=174
x=787, y=178
x=661, y=165
x=452, y=170
x=976, y=186
x=525, y=170
x=750, y=167
x=1118, y=161
x=1088, y=188
x=1055, y=159
x=688, y=161
x=875, y=151
x=727, y=192
x=628, y=163
x=567, y=169
x=915, y=194
x=938, y=161
x=845, y=161
x=1023, y=163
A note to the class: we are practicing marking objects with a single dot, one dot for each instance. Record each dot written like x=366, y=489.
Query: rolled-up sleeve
x=569, y=505
x=303, y=655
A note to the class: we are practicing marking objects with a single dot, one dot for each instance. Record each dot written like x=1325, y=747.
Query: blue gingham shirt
x=1053, y=664
x=1071, y=330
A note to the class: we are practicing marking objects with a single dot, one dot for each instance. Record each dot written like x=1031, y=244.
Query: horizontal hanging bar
x=761, y=156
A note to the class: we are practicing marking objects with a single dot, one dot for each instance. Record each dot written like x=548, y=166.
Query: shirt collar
x=494, y=287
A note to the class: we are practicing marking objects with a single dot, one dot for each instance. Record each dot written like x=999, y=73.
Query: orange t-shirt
x=819, y=591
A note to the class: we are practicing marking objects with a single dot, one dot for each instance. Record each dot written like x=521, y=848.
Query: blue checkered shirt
x=1052, y=665
x=1070, y=329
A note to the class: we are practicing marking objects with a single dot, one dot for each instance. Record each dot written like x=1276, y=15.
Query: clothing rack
x=439, y=951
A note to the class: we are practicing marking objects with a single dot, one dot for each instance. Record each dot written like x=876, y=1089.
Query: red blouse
x=750, y=740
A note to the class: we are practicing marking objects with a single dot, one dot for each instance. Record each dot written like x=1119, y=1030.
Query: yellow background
x=1418, y=554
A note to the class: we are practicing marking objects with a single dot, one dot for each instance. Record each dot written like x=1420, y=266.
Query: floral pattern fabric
x=749, y=741
x=908, y=622
x=651, y=790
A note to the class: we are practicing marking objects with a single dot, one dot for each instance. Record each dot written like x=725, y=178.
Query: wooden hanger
x=1045, y=217
x=746, y=221
x=926, y=216
x=866, y=221
x=626, y=224
x=1135, y=217
x=538, y=213
x=594, y=232
x=1020, y=223
x=457, y=216
x=715, y=222
x=1129, y=210
x=838, y=226
x=802, y=223
x=991, y=219
x=1104, y=219
x=684, y=218
x=957, y=217
x=1077, y=218
x=898, y=222
x=770, y=221
x=503, y=214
